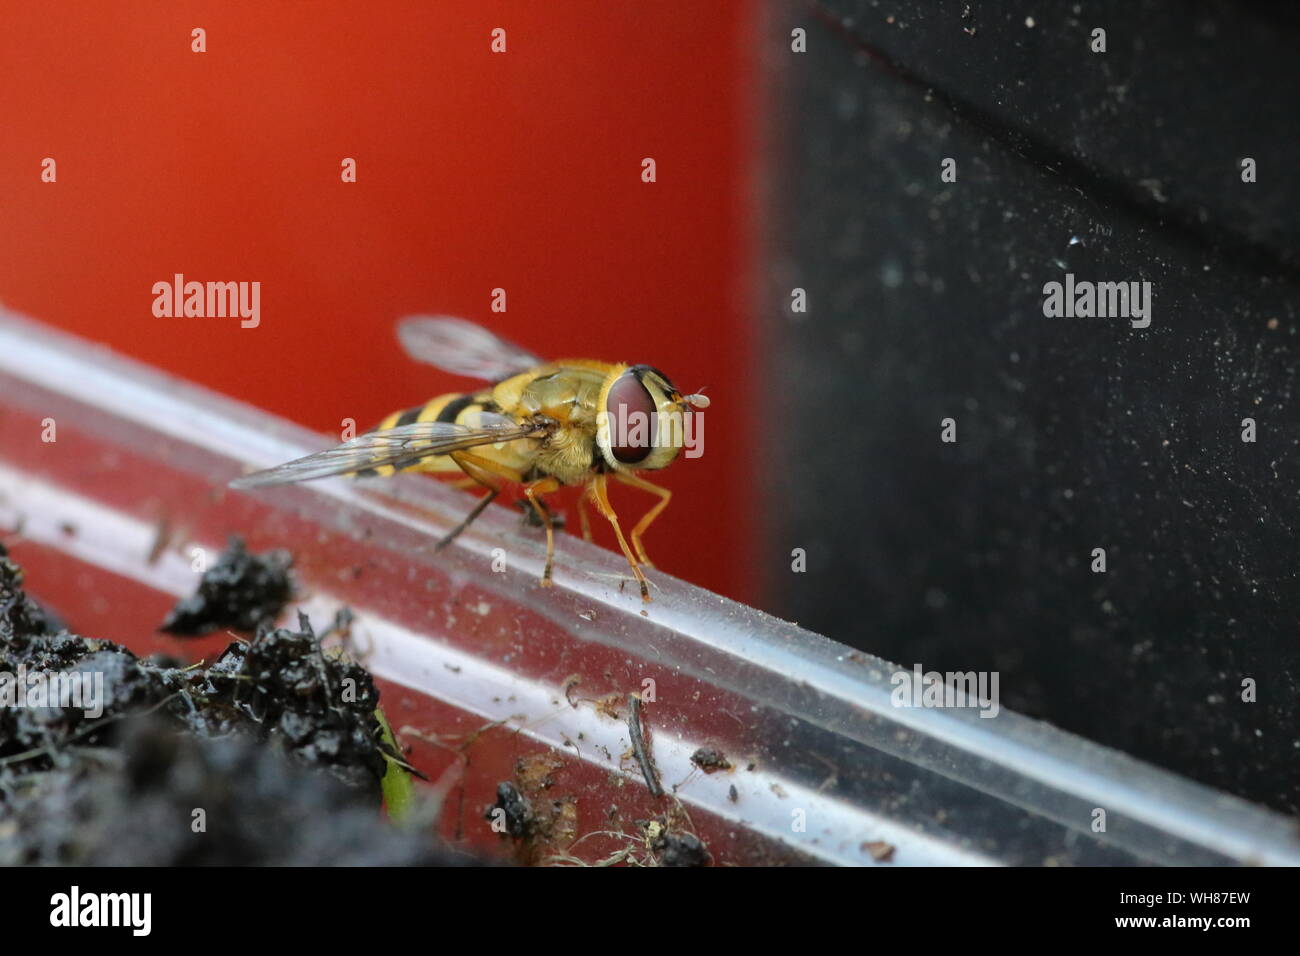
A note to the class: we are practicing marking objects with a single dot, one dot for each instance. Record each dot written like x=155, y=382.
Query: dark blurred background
x=925, y=303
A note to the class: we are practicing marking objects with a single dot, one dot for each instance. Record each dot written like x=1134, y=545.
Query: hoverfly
x=541, y=425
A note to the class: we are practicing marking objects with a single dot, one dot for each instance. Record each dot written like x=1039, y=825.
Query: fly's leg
x=530, y=514
x=454, y=533
x=583, y=520
x=533, y=491
x=601, y=496
x=465, y=483
x=486, y=473
x=665, y=496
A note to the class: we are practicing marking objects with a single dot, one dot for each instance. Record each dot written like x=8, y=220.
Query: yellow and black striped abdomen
x=455, y=407
x=444, y=408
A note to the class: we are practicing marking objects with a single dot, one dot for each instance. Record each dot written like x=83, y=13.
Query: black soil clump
x=160, y=798
x=513, y=809
x=321, y=708
x=270, y=755
x=241, y=591
x=680, y=849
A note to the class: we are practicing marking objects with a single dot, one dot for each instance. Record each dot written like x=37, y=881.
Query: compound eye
x=631, y=410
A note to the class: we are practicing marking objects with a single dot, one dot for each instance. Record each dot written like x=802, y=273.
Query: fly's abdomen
x=444, y=408
x=456, y=408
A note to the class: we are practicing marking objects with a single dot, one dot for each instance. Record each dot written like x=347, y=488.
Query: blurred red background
x=475, y=170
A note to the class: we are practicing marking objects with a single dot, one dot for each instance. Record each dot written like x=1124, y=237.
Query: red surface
x=475, y=170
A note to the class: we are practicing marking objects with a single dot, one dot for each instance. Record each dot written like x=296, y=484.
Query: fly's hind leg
x=544, y=487
x=665, y=496
x=486, y=473
x=455, y=532
x=495, y=476
x=601, y=496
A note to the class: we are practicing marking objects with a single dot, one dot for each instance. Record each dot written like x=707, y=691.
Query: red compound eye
x=631, y=411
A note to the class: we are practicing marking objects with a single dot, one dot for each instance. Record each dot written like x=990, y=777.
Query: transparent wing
x=461, y=347
x=400, y=446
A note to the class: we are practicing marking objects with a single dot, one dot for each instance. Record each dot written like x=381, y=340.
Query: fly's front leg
x=601, y=496
x=533, y=491
x=665, y=496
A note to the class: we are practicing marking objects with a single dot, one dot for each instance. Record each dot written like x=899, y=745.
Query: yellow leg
x=603, y=506
x=543, y=487
x=476, y=466
x=665, y=496
x=582, y=516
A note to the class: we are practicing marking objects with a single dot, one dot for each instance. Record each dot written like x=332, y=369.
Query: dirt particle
x=551, y=823
x=513, y=808
x=241, y=591
x=710, y=760
x=880, y=851
x=679, y=849
x=536, y=772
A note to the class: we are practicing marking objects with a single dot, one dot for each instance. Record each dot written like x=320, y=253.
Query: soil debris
x=278, y=686
x=513, y=810
x=241, y=591
x=162, y=798
x=270, y=755
x=710, y=760
x=675, y=847
x=537, y=771
x=540, y=823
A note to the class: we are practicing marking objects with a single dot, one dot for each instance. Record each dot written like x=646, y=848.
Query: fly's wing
x=400, y=446
x=462, y=348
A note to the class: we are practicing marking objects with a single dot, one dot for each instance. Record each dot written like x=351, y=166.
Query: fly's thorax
x=567, y=455
x=563, y=393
